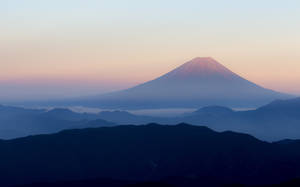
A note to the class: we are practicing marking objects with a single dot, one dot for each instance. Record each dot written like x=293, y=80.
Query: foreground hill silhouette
x=199, y=82
x=169, y=182
x=147, y=153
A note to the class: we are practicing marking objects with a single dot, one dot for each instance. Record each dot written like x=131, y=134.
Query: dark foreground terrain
x=171, y=155
x=171, y=182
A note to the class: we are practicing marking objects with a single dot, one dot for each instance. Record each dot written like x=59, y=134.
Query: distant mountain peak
x=203, y=67
x=202, y=81
x=202, y=60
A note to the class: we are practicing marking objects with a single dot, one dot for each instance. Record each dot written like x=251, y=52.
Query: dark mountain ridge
x=147, y=153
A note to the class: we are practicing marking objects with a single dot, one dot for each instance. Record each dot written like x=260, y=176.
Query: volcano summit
x=199, y=82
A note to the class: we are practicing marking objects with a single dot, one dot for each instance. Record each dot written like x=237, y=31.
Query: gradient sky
x=63, y=48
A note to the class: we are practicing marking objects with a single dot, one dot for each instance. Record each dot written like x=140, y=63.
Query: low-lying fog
x=163, y=112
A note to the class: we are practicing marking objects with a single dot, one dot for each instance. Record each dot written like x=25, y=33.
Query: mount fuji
x=200, y=82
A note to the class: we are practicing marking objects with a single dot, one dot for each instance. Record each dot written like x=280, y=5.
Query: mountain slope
x=199, y=82
x=143, y=153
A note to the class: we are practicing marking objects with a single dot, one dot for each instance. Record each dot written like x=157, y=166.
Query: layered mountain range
x=277, y=120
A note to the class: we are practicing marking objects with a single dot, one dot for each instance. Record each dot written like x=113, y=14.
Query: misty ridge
x=275, y=121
